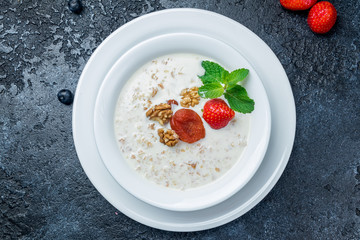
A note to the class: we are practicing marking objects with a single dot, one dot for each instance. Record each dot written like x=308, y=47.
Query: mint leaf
x=236, y=76
x=211, y=90
x=217, y=80
x=213, y=73
x=239, y=100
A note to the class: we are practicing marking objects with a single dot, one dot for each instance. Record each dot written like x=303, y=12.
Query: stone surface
x=44, y=192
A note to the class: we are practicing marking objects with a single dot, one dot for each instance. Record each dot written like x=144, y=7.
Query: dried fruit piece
x=161, y=113
x=189, y=97
x=188, y=125
x=172, y=101
x=168, y=137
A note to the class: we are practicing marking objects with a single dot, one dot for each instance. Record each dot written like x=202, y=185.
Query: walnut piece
x=161, y=113
x=189, y=97
x=168, y=137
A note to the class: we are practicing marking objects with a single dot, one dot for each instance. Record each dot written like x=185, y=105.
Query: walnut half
x=161, y=113
x=189, y=97
x=168, y=137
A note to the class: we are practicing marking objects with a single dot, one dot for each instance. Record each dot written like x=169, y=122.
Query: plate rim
x=229, y=216
x=210, y=194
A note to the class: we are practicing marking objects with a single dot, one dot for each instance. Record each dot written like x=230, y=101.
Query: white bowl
x=166, y=198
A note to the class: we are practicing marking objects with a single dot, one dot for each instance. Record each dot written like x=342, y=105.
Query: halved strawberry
x=297, y=5
x=217, y=113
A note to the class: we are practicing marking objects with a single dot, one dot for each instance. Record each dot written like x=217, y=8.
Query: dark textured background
x=45, y=194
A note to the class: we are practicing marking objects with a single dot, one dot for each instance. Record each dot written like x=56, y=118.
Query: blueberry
x=65, y=96
x=75, y=6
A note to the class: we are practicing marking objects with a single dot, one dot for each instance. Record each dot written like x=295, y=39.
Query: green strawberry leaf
x=211, y=90
x=239, y=100
x=236, y=76
x=213, y=73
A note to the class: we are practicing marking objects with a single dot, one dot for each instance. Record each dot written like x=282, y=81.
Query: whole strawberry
x=322, y=17
x=217, y=113
x=297, y=5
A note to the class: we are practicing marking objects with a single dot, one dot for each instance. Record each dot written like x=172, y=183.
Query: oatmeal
x=157, y=87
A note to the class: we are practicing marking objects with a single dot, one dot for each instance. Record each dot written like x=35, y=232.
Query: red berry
x=217, y=113
x=322, y=17
x=297, y=5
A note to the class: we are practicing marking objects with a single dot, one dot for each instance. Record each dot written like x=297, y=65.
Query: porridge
x=168, y=84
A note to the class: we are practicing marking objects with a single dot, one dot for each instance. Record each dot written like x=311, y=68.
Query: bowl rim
x=131, y=181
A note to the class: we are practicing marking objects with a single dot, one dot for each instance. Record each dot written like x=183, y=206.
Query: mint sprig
x=218, y=81
x=239, y=100
x=213, y=73
x=211, y=90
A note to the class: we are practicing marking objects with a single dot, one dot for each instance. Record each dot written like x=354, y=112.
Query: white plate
x=253, y=49
x=167, y=198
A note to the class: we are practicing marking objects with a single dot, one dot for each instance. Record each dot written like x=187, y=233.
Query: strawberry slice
x=188, y=125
